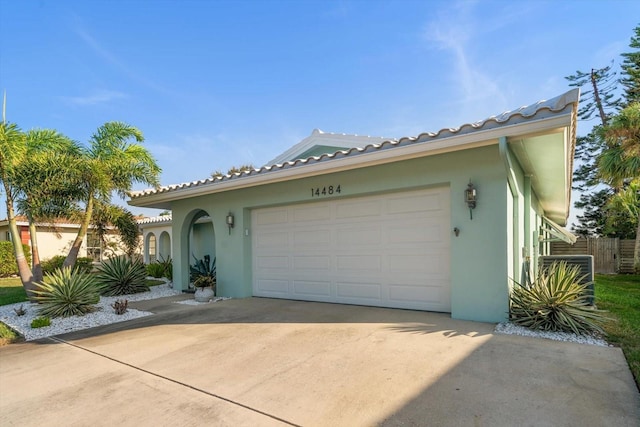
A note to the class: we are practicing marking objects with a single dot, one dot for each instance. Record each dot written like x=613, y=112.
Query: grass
x=620, y=296
x=11, y=291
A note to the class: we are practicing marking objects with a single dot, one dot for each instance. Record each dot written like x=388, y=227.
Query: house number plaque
x=325, y=191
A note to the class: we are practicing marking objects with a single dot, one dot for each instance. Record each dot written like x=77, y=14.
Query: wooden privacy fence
x=610, y=255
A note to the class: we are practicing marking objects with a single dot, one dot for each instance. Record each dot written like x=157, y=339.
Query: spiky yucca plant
x=555, y=302
x=66, y=292
x=121, y=276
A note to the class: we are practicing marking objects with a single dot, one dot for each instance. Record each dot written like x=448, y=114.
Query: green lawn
x=11, y=291
x=620, y=296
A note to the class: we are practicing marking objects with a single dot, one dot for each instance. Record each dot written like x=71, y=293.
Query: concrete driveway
x=263, y=362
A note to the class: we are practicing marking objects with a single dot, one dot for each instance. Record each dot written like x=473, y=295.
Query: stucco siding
x=478, y=255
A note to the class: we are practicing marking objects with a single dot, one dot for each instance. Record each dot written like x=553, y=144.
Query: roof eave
x=452, y=143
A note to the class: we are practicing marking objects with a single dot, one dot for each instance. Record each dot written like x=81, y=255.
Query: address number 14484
x=325, y=191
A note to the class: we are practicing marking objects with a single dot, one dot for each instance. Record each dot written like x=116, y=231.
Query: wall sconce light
x=470, y=198
x=230, y=222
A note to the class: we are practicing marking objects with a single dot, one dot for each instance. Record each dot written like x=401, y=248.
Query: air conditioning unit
x=584, y=262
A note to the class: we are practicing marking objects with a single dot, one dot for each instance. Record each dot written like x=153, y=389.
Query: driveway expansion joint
x=199, y=390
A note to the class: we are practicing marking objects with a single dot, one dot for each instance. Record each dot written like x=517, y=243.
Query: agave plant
x=556, y=302
x=66, y=292
x=203, y=267
x=122, y=276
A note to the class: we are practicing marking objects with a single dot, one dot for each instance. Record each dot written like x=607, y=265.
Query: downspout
x=526, y=270
x=513, y=186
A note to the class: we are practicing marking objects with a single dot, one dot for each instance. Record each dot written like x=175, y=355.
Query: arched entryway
x=199, y=240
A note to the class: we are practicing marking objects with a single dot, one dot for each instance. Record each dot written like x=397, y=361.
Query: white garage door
x=390, y=250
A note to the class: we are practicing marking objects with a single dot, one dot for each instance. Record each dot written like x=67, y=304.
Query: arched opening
x=151, y=249
x=200, y=242
x=164, y=246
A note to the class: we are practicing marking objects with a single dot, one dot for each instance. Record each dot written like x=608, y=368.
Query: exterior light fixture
x=230, y=222
x=470, y=198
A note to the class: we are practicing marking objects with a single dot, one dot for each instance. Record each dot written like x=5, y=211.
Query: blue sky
x=213, y=83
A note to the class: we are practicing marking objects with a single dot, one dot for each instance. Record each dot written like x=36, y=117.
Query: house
x=440, y=222
x=156, y=238
x=56, y=238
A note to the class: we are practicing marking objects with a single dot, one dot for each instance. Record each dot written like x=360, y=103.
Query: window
x=152, y=249
x=94, y=247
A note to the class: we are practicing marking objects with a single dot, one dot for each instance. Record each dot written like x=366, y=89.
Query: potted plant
x=205, y=288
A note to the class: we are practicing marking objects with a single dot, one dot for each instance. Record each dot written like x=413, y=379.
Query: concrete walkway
x=263, y=362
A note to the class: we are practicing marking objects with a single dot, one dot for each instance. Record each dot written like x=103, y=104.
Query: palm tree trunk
x=26, y=276
x=70, y=261
x=36, y=267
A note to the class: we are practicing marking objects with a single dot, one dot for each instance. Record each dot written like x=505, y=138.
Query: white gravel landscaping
x=194, y=302
x=511, y=329
x=103, y=316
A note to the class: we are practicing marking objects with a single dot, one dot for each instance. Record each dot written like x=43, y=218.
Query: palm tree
x=46, y=183
x=13, y=149
x=34, y=170
x=112, y=163
x=619, y=165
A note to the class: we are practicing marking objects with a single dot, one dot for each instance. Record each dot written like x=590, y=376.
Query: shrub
x=155, y=270
x=167, y=265
x=555, y=302
x=121, y=276
x=67, y=292
x=8, y=265
x=83, y=264
x=52, y=264
x=40, y=322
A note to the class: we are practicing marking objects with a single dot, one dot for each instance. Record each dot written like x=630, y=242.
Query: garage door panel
x=358, y=209
x=273, y=287
x=388, y=250
x=319, y=212
x=272, y=216
x=359, y=291
x=276, y=239
x=406, y=292
x=358, y=263
x=358, y=236
x=312, y=238
x=319, y=262
x=304, y=288
x=274, y=262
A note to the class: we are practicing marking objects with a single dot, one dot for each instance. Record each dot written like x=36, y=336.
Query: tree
x=34, y=170
x=598, y=100
x=112, y=163
x=44, y=183
x=13, y=150
x=630, y=79
x=619, y=166
x=106, y=215
x=233, y=170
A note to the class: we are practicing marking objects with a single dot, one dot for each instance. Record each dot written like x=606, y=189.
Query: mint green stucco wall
x=479, y=255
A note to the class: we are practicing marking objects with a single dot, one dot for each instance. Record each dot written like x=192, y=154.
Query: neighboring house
x=56, y=239
x=156, y=238
x=388, y=224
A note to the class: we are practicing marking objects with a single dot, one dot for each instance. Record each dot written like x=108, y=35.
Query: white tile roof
x=540, y=109
x=155, y=219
